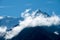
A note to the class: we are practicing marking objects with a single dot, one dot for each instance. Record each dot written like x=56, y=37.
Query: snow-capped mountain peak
x=39, y=12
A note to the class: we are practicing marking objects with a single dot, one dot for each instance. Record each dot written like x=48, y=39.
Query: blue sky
x=15, y=7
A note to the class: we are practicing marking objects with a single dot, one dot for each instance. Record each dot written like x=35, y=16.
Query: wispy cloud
x=50, y=2
x=28, y=4
x=5, y=6
x=2, y=6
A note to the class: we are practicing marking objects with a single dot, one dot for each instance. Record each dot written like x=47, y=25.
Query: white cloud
x=51, y=2
x=3, y=30
x=1, y=17
x=15, y=31
x=30, y=21
x=28, y=4
x=41, y=19
x=25, y=13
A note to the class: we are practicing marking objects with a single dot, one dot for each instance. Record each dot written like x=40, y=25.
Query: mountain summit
x=38, y=12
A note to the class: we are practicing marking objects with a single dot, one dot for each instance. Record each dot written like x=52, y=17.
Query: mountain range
x=30, y=33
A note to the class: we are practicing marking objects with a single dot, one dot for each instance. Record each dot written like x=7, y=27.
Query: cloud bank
x=2, y=30
x=32, y=20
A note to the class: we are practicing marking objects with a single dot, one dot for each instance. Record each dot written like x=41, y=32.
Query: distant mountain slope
x=9, y=21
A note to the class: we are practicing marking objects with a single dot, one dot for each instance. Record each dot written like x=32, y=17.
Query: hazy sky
x=15, y=7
